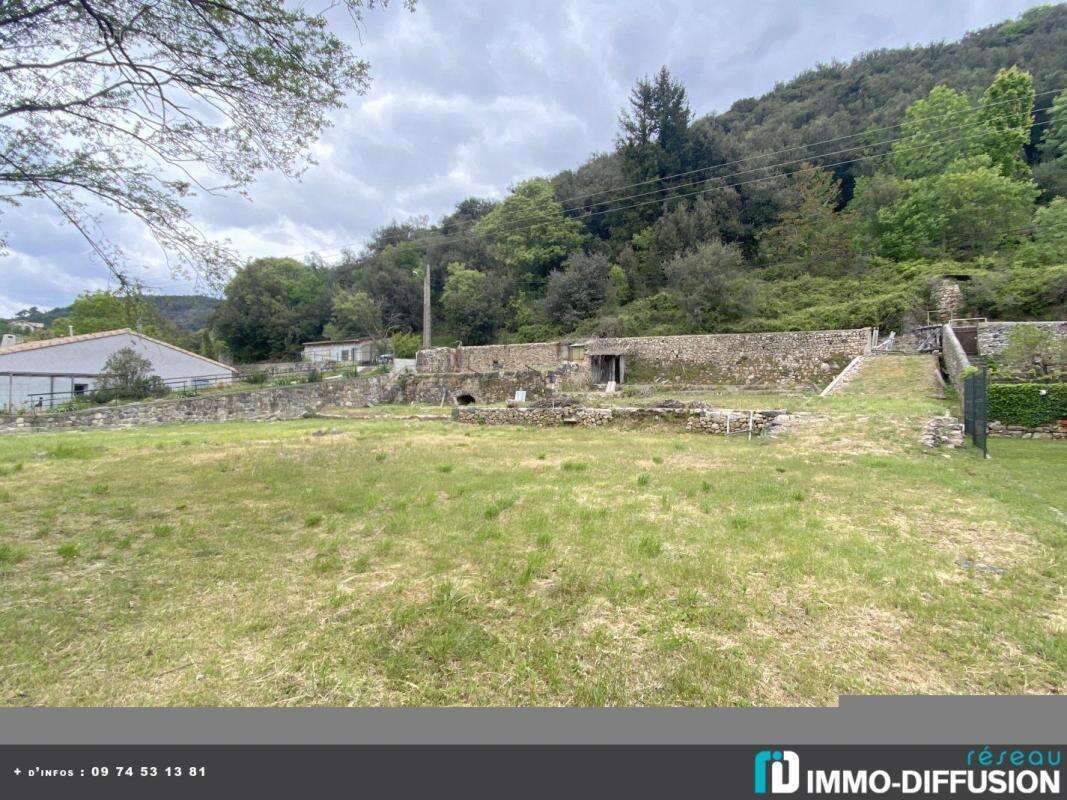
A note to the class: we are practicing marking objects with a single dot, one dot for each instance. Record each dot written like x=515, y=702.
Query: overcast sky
x=470, y=97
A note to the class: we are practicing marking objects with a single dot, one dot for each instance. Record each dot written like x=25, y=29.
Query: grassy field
x=393, y=562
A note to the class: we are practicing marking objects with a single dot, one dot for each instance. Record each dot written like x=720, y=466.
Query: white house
x=52, y=371
x=357, y=351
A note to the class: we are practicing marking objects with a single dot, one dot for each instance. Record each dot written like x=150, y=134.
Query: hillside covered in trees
x=832, y=201
x=185, y=312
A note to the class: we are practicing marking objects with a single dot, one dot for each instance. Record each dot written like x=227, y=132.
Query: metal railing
x=190, y=385
x=886, y=345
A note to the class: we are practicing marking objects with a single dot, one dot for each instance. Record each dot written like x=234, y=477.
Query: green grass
x=260, y=564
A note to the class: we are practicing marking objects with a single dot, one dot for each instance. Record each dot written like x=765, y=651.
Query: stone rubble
x=943, y=431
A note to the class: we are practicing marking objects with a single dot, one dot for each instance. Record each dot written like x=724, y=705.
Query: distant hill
x=874, y=89
x=186, y=312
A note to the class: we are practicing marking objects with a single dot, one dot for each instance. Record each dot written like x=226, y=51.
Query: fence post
x=981, y=423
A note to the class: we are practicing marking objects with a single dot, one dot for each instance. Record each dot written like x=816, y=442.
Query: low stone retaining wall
x=702, y=420
x=274, y=403
x=297, y=400
x=448, y=388
x=1050, y=431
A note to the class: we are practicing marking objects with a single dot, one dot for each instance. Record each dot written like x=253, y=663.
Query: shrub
x=314, y=376
x=128, y=376
x=256, y=378
x=406, y=345
x=1027, y=404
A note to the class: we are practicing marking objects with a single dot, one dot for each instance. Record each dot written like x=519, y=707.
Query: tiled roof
x=84, y=337
x=38, y=344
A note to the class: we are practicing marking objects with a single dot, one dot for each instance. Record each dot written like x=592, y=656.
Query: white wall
x=337, y=351
x=57, y=368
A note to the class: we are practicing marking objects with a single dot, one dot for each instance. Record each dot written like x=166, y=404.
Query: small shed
x=49, y=372
x=361, y=351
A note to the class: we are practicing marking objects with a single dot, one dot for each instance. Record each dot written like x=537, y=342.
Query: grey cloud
x=471, y=97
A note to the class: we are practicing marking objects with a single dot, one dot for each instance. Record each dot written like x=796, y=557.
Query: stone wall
x=944, y=431
x=492, y=357
x=701, y=420
x=297, y=400
x=993, y=338
x=953, y=358
x=786, y=358
x=1051, y=431
x=275, y=403
x=445, y=388
x=947, y=297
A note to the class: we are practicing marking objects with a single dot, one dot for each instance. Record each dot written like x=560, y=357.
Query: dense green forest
x=834, y=200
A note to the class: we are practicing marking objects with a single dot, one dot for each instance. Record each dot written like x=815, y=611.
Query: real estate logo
x=784, y=769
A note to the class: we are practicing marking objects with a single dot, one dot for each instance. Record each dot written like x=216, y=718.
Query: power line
x=429, y=239
x=976, y=123
x=443, y=238
x=799, y=161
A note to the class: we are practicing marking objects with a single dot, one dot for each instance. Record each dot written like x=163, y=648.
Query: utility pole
x=426, y=303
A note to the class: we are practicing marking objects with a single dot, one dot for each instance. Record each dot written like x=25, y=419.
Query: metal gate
x=975, y=419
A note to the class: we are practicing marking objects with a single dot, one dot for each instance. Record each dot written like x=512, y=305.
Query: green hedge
x=1023, y=403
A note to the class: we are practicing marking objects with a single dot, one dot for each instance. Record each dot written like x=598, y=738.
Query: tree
x=654, y=140
x=1048, y=244
x=680, y=231
x=580, y=290
x=392, y=277
x=812, y=234
x=1054, y=139
x=1006, y=113
x=356, y=314
x=208, y=347
x=127, y=376
x=937, y=130
x=270, y=307
x=1034, y=351
x=970, y=210
x=529, y=233
x=405, y=345
x=944, y=127
x=132, y=104
x=92, y=312
x=655, y=143
x=1050, y=228
x=709, y=285
x=1051, y=172
x=473, y=304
